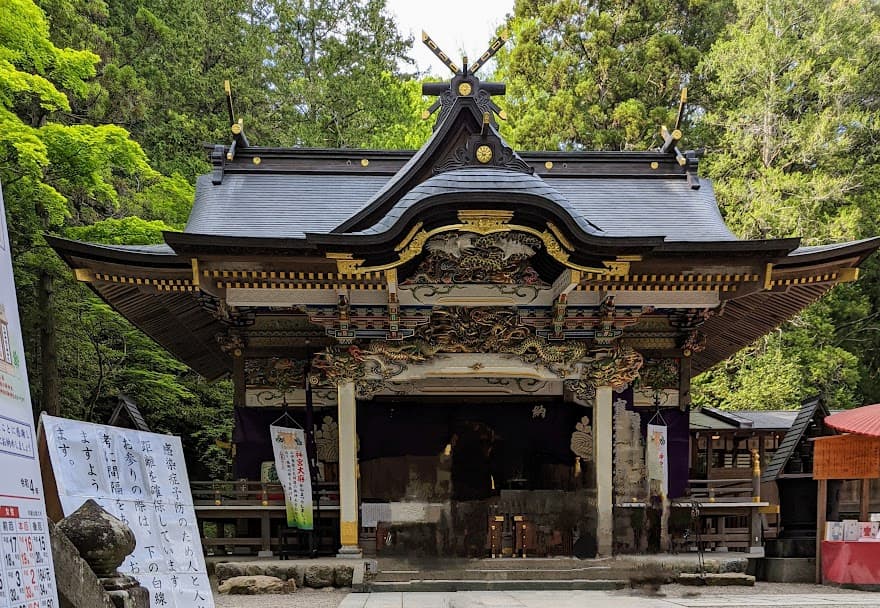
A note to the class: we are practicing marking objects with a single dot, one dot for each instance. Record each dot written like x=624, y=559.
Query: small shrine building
x=486, y=331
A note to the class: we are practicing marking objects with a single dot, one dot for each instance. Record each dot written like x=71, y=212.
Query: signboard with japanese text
x=27, y=576
x=292, y=466
x=141, y=479
x=656, y=458
x=846, y=457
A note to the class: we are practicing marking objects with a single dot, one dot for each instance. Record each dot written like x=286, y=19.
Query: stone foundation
x=316, y=574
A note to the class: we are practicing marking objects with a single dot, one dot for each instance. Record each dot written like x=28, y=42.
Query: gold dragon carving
x=469, y=330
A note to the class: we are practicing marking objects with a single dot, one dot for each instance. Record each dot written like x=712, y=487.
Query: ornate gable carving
x=462, y=257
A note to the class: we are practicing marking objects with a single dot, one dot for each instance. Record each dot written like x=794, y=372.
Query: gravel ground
x=331, y=598
x=303, y=598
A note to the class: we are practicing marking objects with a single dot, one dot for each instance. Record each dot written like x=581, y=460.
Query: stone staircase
x=538, y=573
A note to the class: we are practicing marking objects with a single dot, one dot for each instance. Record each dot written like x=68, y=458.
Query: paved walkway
x=702, y=598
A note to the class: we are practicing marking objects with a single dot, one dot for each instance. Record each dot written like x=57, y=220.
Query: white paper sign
x=656, y=457
x=27, y=575
x=292, y=466
x=141, y=479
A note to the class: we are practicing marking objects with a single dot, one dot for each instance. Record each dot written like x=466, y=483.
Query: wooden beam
x=821, y=514
x=238, y=382
x=865, y=500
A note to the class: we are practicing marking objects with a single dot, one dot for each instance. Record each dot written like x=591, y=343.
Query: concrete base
x=350, y=552
x=787, y=569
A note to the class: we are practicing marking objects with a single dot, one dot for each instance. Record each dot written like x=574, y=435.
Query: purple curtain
x=678, y=434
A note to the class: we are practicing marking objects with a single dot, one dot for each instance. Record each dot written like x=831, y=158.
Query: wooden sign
x=846, y=457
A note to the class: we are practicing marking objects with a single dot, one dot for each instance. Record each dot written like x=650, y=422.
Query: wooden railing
x=250, y=493
x=722, y=490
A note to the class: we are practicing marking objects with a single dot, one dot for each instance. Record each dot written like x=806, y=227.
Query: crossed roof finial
x=464, y=82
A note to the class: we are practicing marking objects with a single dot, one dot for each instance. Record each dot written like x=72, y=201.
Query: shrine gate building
x=486, y=332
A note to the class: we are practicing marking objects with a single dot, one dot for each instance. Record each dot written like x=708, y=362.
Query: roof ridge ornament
x=464, y=83
x=687, y=160
x=239, y=139
x=220, y=154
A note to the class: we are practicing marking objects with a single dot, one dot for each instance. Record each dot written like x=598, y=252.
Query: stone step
x=497, y=574
x=507, y=585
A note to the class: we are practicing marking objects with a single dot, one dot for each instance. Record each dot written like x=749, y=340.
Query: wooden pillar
x=821, y=513
x=865, y=500
x=603, y=416
x=238, y=382
x=348, y=498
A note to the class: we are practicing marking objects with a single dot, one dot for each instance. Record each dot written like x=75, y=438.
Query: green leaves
x=598, y=75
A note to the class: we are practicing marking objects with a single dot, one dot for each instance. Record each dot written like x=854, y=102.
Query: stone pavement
x=610, y=599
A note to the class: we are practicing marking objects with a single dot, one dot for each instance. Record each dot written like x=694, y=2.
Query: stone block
x=228, y=570
x=256, y=585
x=281, y=571
x=342, y=576
x=318, y=576
x=76, y=583
x=297, y=573
x=254, y=570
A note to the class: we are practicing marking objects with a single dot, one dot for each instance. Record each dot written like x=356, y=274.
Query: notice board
x=141, y=479
x=27, y=576
x=846, y=457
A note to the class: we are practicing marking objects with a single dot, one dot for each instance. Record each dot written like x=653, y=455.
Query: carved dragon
x=616, y=371
x=558, y=358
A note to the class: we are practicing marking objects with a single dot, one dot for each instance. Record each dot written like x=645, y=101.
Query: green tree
x=787, y=110
x=792, y=117
x=333, y=75
x=81, y=180
x=601, y=75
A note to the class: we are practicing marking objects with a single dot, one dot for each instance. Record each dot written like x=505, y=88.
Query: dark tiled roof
x=792, y=438
x=161, y=249
x=715, y=419
x=289, y=205
x=481, y=182
x=773, y=420
x=647, y=207
x=810, y=249
x=278, y=205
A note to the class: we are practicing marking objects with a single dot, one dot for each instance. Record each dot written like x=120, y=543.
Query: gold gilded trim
x=84, y=275
x=485, y=222
x=480, y=222
x=768, y=276
x=561, y=237
x=195, y=269
x=847, y=275
x=348, y=533
x=409, y=236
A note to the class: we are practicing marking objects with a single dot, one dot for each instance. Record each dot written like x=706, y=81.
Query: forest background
x=105, y=106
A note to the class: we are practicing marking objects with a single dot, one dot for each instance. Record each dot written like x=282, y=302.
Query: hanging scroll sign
x=292, y=465
x=657, y=461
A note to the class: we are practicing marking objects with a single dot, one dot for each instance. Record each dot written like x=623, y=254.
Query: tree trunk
x=48, y=352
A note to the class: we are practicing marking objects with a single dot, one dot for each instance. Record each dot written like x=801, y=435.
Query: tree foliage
x=103, y=144
x=792, y=117
x=600, y=75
